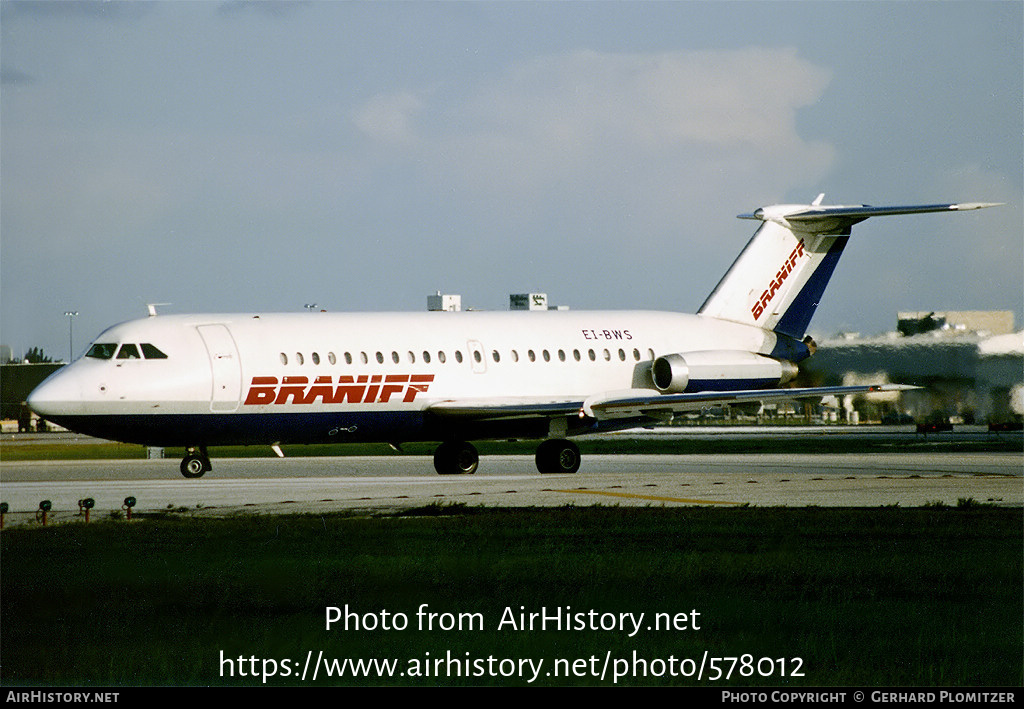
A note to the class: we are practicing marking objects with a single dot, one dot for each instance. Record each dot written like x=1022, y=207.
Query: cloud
x=677, y=120
x=744, y=96
x=389, y=118
x=566, y=163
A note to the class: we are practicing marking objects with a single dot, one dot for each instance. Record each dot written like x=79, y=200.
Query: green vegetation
x=35, y=355
x=887, y=596
x=768, y=443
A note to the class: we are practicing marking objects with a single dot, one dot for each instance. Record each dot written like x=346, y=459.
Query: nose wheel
x=195, y=463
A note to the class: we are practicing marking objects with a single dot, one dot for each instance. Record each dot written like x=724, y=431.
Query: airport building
x=971, y=364
x=516, y=301
x=444, y=303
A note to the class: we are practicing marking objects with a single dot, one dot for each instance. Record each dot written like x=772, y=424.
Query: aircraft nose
x=59, y=395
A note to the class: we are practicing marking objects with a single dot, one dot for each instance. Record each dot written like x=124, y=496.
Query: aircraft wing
x=634, y=403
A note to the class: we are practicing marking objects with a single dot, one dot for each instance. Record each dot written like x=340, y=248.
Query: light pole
x=71, y=333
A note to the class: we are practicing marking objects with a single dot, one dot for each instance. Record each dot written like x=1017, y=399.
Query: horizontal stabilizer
x=861, y=211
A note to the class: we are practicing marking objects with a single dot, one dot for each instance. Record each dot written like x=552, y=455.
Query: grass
x=752, y=443
x=877, y=597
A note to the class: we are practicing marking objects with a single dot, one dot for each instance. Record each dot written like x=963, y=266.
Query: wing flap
x=490, y=409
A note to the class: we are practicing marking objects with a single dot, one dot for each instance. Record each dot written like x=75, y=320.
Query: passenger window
x=636, y=355
x=394, y=357
x=299, y=358
x=426, y=356
x=531, y=355
x=150, y=352
x=547, y=356
x=561, y=355
x=515, y=356
x=458, y=356
x=497, y=357
x=128, y=352
x=441, y=356
x=316, y=358
x=380, y=358
x=622, y=355
x=102, y=350
x=593, y=357
x=284, y=358
x=331, y=358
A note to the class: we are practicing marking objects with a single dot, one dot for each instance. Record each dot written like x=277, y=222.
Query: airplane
x=454, y=377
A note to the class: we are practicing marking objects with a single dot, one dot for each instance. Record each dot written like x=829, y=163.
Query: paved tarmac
x=389, y=483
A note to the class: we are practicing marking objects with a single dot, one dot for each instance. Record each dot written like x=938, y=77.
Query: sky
x=259, y=157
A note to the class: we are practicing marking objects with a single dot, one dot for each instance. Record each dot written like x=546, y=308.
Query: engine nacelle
x=719, y=370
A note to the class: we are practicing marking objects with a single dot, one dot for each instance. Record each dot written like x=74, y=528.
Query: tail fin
x=778, y=279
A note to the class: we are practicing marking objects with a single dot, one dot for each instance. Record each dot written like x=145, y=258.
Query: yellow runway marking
x=650, y=497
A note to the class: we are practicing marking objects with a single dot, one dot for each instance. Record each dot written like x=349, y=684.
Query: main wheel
x=558, y=456
x=456, y=458
x=194, y=465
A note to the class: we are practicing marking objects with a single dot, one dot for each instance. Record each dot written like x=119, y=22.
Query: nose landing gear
x=195, y=463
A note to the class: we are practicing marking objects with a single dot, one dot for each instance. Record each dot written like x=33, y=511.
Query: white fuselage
x=235, y=378
x=206, y=380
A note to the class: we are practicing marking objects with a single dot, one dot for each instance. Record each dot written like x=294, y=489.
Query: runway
x=385, y=484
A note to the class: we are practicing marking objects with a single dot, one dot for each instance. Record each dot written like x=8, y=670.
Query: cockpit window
x=128, y=352
x=151, y=352
x=102, y=350
x=106, y=350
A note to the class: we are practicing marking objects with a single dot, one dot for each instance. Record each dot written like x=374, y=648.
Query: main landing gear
x=556, y=455
x=456, y=458
x=195, y=463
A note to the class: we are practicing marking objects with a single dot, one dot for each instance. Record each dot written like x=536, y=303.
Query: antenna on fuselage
x=151, y=308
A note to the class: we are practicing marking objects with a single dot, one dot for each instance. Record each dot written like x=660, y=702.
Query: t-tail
x=777, y=281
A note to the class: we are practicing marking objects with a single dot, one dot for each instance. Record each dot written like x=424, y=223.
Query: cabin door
x=225, y=367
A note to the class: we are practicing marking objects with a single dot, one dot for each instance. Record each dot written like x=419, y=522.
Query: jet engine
x=719, y=370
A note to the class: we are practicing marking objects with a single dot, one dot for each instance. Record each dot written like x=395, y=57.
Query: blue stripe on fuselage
x=305, y=427
x=248, y=429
